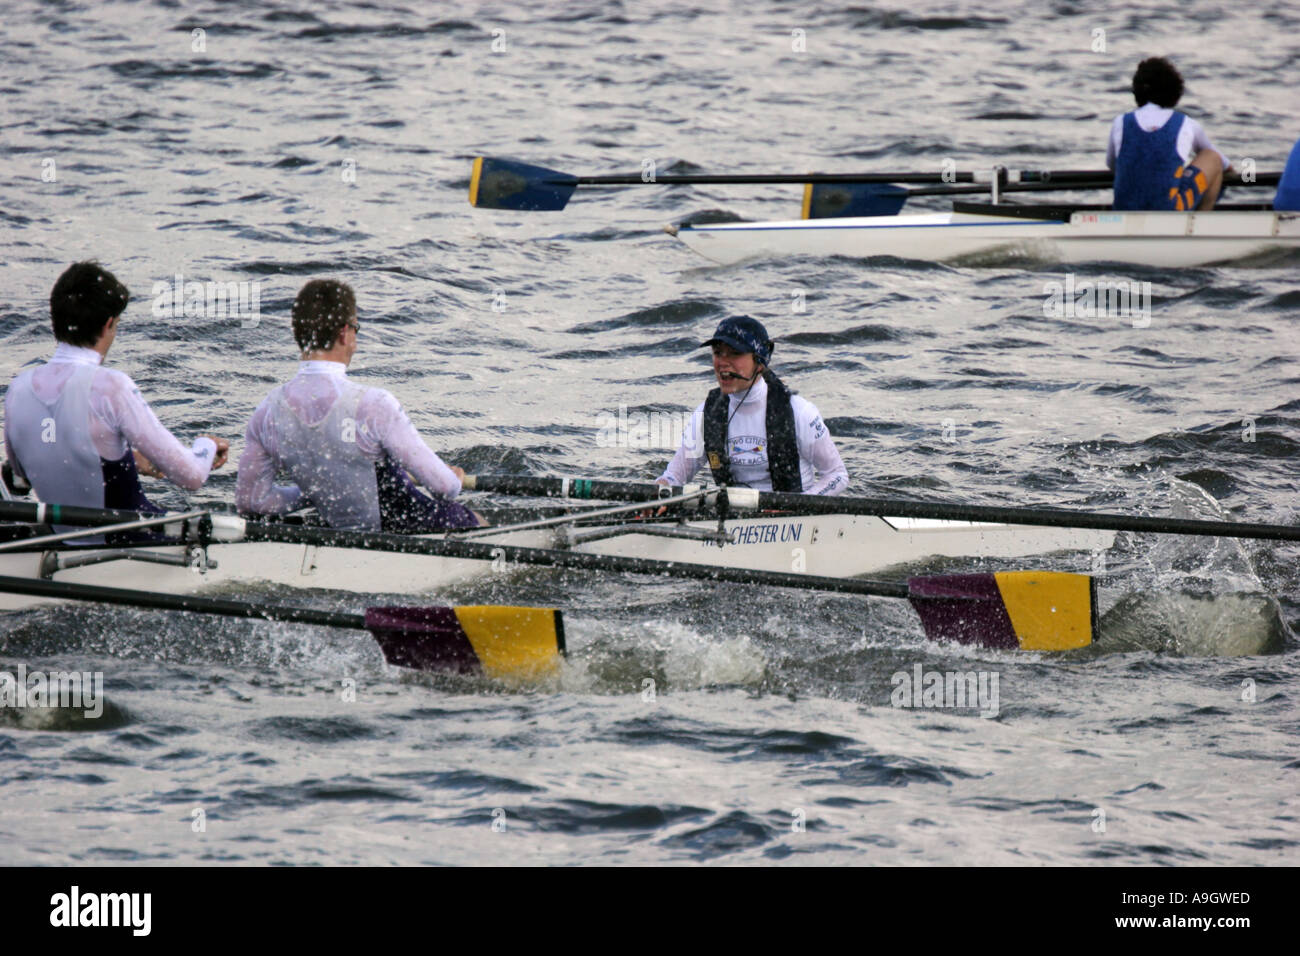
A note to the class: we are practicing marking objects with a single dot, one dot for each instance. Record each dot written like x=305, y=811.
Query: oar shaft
x=1042, y=517
x=576, y=560
x=577, y=488
x=39, y=513
x=22, y=544
x=178, y=602
x=1046, y=178
x=635, y=179
x=895, y=508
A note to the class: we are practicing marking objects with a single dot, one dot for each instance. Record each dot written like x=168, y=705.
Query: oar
x=746, y=499
x=509, y=643
x=508, y=184
x=839, y=200
x=1031, y=610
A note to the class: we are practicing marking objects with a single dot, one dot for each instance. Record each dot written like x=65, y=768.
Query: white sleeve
x=255, y=489
x=690, y=453
x=1112, y=144
x=403, y=444
x=1200, y=140
x=10, y=457
x=817, y=446
x=123, y=408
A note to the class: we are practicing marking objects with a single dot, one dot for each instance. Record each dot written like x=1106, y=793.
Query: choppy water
x=769, y=734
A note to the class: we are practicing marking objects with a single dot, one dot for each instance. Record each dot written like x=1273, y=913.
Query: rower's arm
x=1113, y=142
x=122, y=406
x=817, y=447
x=14, y=465
x=398, y=437
x=1201, y=140
x=690, y=453
x=15, y=478
x=255, y=489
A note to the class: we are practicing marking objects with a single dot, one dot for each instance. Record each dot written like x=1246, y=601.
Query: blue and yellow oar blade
x=505, y=184
x=835, y=200
x=1025, y=610
x=505, y=643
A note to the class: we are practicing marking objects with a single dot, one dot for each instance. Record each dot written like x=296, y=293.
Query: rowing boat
x=821, y=545
x=772, y=539
x=1069, y=234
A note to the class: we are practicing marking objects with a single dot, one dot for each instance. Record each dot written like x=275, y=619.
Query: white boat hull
x=824, y=545
x=1165, y=239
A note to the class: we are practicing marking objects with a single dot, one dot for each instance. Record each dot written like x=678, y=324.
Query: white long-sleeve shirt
x=821, y=470
x=1191, y=137
x=382, y=428
x=119, y=419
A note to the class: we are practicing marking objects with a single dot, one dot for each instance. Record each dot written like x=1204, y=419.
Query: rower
x=752, y=429
x=1288, y=188
x=1162, y=159
x=80, y=434
x=347, y=448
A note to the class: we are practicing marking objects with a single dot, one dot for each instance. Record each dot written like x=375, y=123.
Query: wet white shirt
x=820, y=469
x=382, y=427
x=118, y=418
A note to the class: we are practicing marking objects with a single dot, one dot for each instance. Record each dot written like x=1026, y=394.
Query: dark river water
x=273, y=142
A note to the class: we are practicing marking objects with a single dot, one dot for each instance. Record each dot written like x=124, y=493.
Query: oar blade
x=506, y=184
x=835, y=200
x=1015, y=610
x=523, y=644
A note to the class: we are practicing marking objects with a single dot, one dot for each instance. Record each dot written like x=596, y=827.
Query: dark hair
x=321, y=311
x=1156, y=81
x=86, y=296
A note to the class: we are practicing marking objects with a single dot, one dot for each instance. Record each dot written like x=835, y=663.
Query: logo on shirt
x=747, y=450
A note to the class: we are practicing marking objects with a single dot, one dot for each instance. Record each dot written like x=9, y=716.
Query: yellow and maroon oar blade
x=1024, y=610
x=506, y=643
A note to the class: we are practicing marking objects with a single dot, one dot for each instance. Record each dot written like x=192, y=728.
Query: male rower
x=347, y=448
x=752, y=430
x=1162, y=159
x=76, y=431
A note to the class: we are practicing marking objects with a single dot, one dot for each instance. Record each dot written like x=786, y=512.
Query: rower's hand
x=144, y=466
x=223, y=450
x=458, y=472
x=650, y=512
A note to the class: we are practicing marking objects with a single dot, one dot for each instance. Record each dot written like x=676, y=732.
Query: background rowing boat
x=515, y=341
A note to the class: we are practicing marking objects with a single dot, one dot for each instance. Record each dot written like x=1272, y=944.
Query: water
x=691, y=723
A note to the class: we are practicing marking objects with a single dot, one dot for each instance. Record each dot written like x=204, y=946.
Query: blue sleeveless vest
x=1146, y=164
x=1288, y=190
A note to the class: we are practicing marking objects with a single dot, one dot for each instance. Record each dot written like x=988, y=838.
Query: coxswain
x=347, y=448
x=1162, y=159
x=752, y=430
x=78, y=433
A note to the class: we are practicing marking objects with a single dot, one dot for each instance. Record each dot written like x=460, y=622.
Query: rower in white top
x=80, y=434
x=752, y=430
x=347, y=448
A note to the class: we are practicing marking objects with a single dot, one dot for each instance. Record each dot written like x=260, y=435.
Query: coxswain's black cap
x=744, y=334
